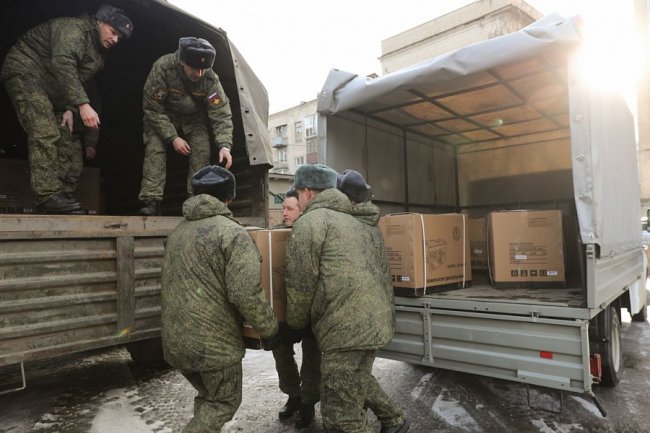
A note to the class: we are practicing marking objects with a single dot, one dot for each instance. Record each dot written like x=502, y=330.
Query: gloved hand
x=291, y=336
x=273, y=341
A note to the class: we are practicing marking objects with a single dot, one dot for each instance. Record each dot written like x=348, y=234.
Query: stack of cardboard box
x=427, y=253
x=478, y=244
x=526, y=248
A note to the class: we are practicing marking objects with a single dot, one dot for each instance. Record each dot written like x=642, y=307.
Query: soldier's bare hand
x=181, y=146
x=67, y=120
x=90, y=152
x=89, y=116
x=224, y=154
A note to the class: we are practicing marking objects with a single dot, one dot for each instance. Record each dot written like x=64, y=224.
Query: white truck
x=509, y=123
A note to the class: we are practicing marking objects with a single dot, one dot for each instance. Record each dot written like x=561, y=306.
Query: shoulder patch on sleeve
x=214, y=98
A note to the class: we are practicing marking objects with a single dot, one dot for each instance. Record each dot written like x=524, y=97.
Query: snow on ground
x=557, y=427
x=454, y=413
x=116, y=415
x=587, y=405
x=417, y=391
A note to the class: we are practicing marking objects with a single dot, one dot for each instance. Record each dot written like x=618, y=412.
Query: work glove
x=273, y=341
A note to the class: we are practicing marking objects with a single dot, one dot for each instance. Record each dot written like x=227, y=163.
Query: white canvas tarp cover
x=513, y=106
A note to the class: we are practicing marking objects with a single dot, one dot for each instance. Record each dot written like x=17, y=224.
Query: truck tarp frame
x=606, y=197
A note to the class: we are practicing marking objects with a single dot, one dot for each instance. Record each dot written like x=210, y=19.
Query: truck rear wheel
x=147, y=353
x=607, y=330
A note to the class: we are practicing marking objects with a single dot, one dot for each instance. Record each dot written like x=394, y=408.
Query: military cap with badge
x=215, y=181
x=196, y=52
x=117, y=18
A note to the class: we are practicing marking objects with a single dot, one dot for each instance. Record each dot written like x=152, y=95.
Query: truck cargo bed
x=568, y=302
x=482, y=290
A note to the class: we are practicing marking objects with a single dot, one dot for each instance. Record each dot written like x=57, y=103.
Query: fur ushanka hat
x=315, y=176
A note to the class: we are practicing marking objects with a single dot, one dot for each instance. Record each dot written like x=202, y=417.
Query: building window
x=281, y=131
x=282, y=155
x=300, y=161
x=298, y=129
x=278, y=198
x=312, y=146
x=311, y=128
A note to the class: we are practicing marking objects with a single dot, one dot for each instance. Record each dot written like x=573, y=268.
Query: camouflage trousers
x=71, y=161
x=219, y=397
x=154, y=170
x=348, y=388
x=35, y=113
x=307, y=383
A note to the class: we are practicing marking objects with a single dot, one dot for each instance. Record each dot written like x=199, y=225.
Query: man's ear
x=227, y=202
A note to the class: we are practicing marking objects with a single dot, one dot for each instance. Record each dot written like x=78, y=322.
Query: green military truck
x=509, y=123
x=73, y=283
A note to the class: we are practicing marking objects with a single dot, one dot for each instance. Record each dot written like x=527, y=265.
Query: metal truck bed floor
x=481, y=296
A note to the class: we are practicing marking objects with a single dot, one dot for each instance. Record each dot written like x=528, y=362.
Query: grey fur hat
x=314, y=176
x=215, y=181
x=117, y=18
x=196, y=52
x=352, y=184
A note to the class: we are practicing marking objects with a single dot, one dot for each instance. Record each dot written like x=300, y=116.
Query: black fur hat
x=196, y=52
x=352, y=184
x=117, y=18
x=314, y=176
x=215, y=181
x=291, y=192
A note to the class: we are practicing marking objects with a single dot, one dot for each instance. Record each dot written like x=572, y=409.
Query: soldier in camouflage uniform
x=43, y=74
x=354, y=186
x=342, y=288
x=76, y=142
x=181, y=97
x=301, y=387
x=211, y=276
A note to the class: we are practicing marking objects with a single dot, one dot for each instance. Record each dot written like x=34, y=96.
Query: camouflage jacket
x=210, y=280
x=335, y=281
x=368, y=214
x=172, y=103
x=63, y=53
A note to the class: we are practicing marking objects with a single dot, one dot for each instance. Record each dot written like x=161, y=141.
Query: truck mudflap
x=540, y=351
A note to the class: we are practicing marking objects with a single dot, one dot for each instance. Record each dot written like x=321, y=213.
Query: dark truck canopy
x=510, y=122
x=158, y=26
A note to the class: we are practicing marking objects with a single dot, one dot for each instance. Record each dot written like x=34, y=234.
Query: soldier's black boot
x=70, y=196
x=59, y=204
x=400, y=428
x=305, y=416
x=150, y=208
x=289, y=408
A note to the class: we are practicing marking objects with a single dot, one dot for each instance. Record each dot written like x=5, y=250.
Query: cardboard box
x=16, y=193
x=478, y=243
x=526, y=248
x=427, y=253
x=272, y=246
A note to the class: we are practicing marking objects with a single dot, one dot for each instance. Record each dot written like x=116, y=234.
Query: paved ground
x=105, y=392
